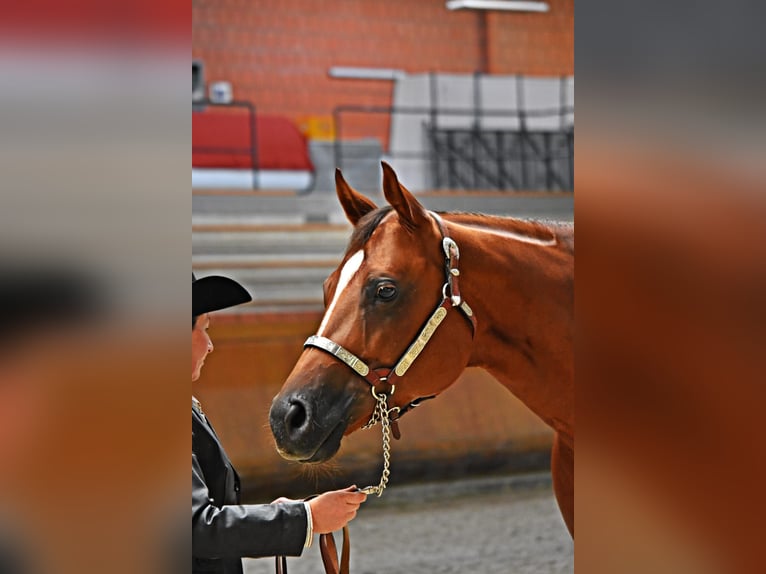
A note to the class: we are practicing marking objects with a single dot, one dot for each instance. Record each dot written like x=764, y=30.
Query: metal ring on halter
x=378, y=397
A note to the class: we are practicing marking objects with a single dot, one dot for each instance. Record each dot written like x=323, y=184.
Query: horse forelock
x=365, y=228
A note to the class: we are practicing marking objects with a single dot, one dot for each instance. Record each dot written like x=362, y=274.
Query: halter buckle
x=450, y=248
x=454, y=299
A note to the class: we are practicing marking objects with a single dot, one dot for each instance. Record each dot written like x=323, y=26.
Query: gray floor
x=499, y=525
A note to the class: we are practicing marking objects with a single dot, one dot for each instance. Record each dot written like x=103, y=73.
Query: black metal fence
x=475, y=154
x=251, y=150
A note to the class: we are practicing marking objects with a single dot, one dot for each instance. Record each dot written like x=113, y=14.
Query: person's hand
x=333, y=510
x=283, y=499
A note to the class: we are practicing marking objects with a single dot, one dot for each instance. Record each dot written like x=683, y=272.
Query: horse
x=431, y=294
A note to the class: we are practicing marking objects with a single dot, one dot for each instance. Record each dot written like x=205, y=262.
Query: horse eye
x=385, y=291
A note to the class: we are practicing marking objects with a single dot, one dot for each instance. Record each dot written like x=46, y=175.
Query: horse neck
x=518, y=278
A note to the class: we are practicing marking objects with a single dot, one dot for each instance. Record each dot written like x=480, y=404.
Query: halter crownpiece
x=383, y=381
x=452, y=253
x=452, y=284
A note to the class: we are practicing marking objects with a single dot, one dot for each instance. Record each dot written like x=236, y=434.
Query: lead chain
x=383, y=414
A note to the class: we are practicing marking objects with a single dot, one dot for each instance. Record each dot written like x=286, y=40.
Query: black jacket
x=223, y=530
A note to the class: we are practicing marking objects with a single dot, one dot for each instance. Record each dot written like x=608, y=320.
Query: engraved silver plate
x=419, y=344
x=337, y=351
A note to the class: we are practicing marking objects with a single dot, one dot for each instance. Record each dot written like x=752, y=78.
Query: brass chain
x=382, y=414
x=376, y=416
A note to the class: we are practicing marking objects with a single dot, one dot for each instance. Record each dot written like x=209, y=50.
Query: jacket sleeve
x=244, y=530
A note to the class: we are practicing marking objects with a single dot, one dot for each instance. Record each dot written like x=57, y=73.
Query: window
x=198, y=81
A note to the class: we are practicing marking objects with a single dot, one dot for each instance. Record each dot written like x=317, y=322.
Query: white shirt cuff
x=309, y=527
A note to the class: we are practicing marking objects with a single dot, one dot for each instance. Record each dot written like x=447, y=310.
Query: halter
x=383, y=381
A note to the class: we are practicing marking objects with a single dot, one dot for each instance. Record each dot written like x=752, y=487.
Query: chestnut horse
x=432, y=294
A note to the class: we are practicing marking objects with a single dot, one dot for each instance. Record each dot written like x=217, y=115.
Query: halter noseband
x=388, y=376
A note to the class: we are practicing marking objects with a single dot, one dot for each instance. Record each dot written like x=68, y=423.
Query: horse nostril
x=296, y=416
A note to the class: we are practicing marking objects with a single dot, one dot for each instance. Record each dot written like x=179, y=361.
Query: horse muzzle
x=300, y=434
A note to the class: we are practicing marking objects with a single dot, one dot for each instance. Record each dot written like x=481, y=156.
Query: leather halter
x=383, y=380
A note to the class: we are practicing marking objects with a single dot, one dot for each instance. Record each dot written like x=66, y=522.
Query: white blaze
x=346, y=275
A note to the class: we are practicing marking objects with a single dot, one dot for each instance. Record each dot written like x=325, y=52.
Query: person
x=223, y=530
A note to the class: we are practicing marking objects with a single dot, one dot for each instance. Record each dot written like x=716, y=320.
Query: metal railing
x=475, y=155
x=252, y=150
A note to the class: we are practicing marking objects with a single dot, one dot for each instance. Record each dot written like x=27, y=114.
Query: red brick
x=277, y=52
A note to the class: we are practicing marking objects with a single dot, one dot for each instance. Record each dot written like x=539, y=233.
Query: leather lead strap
x=345, y=558
x=329, y=552
x=395, y=429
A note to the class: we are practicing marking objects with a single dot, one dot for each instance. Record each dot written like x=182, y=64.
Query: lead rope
x=382, y=414
x=327, y=547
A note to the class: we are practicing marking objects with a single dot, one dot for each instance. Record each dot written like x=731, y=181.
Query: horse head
x=380, y=301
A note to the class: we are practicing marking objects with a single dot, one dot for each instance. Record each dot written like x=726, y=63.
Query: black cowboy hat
x=215, y=292
x=34, y=299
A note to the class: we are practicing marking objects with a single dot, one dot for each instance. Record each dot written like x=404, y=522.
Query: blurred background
x=474, y=109
x=670, y=278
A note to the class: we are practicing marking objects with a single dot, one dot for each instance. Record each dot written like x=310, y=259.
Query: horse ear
x=410, y=210
x=354, y=204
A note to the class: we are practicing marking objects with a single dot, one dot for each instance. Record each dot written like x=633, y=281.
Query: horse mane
x=539, y=229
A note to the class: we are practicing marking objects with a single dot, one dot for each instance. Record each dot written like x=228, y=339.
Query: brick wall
x=531, y=43
x=276, y=53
